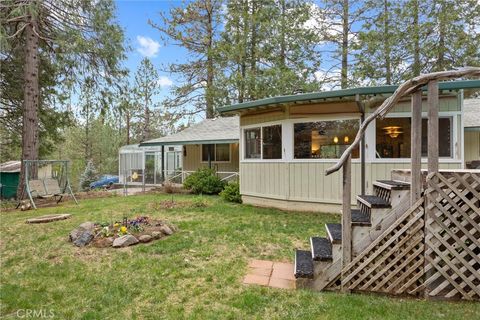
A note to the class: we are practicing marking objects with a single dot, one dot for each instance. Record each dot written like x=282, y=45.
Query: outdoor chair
x=52, y=188
x=37, y=189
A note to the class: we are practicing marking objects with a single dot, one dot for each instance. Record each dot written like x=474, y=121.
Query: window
x=324, y=139
x=393, y=137
x=272, y=142
x=264, y=142
x=218, y=152
x=252, y=144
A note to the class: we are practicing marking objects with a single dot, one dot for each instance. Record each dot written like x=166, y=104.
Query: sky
x=144, y=40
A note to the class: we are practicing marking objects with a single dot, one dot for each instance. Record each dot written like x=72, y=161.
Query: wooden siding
x=306, y=181
x=446, y=104
x=472, y=145
x=192, y=161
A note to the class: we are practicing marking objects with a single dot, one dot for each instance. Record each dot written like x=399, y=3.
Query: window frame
x=261, y=126
x=215, y=153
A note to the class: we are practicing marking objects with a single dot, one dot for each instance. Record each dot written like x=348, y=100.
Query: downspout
x=361, y=108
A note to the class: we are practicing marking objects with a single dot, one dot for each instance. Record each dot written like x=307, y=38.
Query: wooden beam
x=347, y=216
x=416, y=148
x=432, y=102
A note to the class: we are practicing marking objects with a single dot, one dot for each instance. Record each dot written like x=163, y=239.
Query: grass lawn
x=194, y=274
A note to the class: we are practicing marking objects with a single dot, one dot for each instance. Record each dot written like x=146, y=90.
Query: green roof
x=339, y=94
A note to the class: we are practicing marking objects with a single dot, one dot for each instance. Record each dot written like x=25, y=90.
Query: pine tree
x=194, y=26
x=88, y=176
x=145, y=89
x=80, y=37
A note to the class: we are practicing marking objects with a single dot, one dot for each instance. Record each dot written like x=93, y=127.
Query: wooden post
x=432, y=103
x=416, y=148
x=346, y=216
x=362, y=159
x=163, y=164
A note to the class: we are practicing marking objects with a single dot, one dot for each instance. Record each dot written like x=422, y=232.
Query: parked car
x=105, y=181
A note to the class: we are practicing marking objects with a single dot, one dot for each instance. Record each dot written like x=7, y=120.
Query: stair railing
x=414, y=88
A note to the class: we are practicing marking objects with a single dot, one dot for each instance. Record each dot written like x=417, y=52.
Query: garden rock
x=83, y=238
x=124, y=241
x=157, y=234
x=87, y=225
x=145, y=238
x=166, y=230
x=110, y=240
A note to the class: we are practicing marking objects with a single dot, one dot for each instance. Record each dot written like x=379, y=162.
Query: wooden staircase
x=320, y=267
x=416, y=236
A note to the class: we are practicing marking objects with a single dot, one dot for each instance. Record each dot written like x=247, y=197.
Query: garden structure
x=46, y=179
x=414, y=228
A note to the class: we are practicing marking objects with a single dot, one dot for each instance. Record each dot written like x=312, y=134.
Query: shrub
x=204, y=181
x=231, y=192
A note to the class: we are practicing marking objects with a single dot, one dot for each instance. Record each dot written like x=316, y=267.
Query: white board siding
x=306, y=181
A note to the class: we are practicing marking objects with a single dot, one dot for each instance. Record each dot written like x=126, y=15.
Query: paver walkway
x=270, y=273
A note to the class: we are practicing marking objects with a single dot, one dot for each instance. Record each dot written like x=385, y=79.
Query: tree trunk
x=253, y=44
x=441, y=39
x=344, y=71
x=209, y=89
x=30, y=101
x=128, y=126
x=386, y=34
x=416, y=38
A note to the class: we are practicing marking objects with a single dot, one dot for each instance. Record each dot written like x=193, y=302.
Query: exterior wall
x=295, y=184
x=306, y=181
x=472, y=145
x=193, y=159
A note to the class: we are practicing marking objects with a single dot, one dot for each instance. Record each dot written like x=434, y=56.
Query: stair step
x=334, y=231
x=373, y=201
x=321, y=249
x=360, y=219
x=303, y=264
x=392, y=184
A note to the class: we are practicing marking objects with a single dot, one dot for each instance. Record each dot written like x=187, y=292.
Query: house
x=211, y=143
x=288, y=142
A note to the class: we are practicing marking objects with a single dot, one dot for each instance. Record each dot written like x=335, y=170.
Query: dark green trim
x=170, y=143
x=339, y=94
x=472, y=128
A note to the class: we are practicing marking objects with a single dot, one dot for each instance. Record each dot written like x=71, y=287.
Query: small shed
x=9, y=177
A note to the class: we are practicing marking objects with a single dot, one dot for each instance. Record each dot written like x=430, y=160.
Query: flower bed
x=120, y=234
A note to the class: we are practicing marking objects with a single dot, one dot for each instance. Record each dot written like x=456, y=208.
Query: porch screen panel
x=206, y=148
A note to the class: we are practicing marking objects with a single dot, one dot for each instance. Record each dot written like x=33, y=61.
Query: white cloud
x=148, y=46
x=164, y=81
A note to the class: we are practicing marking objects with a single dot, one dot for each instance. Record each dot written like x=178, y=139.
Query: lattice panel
x=453, y=235
x=394, y=262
